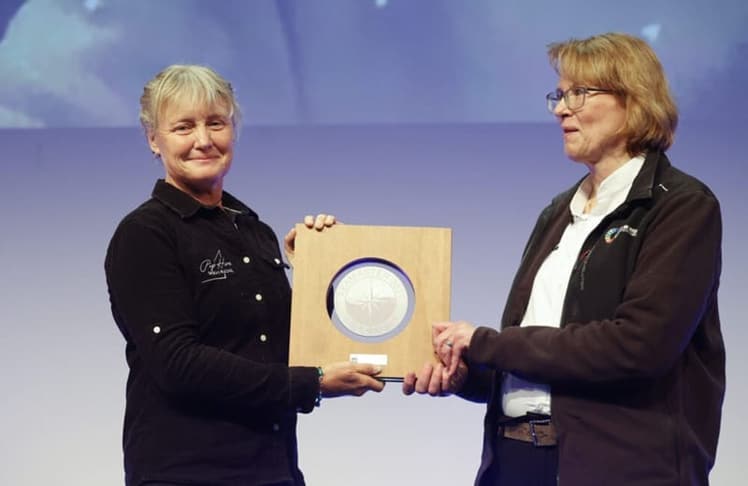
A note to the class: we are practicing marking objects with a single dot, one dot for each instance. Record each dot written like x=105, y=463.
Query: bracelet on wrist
x=320, y=374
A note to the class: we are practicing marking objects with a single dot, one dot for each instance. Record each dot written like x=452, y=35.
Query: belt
x=540, y=433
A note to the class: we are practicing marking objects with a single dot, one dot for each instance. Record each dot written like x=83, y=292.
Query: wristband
x=320, y=374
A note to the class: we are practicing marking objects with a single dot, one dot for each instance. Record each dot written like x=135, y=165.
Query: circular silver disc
x=371, y=299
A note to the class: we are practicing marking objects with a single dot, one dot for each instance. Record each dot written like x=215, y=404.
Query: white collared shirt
x=549, y=287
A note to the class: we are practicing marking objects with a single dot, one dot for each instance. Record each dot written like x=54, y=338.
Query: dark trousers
x=161, y=483
x=518, y=463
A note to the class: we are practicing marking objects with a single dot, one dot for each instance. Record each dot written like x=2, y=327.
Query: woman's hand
x=434, y=380
x=319, y=222
x=346, y=378
x=451, y=340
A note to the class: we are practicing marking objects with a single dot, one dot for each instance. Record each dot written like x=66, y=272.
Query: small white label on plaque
x=375, y=359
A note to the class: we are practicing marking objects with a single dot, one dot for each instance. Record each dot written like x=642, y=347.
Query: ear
x=150, y=135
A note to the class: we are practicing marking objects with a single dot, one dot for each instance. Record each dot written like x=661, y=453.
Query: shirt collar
x=186, y=206
x=612, y=191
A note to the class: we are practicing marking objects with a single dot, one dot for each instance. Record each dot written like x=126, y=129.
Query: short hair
x=200, y=84
x=629, y=67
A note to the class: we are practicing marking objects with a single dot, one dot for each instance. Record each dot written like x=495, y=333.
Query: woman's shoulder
x=151, y=215
x=675, y=180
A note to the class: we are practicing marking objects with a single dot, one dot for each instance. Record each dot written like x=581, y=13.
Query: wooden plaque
x=369, y=294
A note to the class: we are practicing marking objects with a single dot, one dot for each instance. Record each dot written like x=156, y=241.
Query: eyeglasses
x=573, y=97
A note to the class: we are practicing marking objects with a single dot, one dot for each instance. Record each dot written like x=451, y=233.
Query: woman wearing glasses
x=610, y=366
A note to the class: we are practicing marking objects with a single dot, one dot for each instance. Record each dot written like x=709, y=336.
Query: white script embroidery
x=216, y=269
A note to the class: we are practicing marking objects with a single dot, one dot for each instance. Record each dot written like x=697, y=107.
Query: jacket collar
x=644, y=182
x=641, y=188
x=186, y=206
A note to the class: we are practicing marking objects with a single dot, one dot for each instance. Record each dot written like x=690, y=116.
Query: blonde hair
x=199, y=84
x=629, y=67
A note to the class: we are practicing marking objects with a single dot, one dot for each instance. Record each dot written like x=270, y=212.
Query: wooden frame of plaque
x=422, y=260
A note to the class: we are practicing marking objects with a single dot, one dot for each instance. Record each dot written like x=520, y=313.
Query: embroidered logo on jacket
x=216, y=269
x=613, y=233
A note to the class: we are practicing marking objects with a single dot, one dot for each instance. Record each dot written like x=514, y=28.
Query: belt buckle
x=532, y=424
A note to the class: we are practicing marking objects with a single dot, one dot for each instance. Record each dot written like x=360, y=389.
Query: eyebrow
x=191, y=119
x=180, y=120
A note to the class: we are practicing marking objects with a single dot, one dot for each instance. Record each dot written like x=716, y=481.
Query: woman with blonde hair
x=609, y=368
x=198, y=289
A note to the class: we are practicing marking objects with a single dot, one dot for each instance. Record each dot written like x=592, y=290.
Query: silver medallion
x=372, y=300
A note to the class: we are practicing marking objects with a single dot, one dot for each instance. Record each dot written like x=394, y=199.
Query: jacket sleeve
x=152, y=305
x=478, y=385
x=673, y=285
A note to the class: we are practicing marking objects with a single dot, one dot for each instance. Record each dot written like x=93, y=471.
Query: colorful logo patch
x=613, y=233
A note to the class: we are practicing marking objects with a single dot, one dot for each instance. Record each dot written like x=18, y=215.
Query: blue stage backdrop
x=422, y=113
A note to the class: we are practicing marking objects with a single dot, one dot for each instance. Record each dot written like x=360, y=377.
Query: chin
x=208, y=174
x=573, y=156
x=577, y=155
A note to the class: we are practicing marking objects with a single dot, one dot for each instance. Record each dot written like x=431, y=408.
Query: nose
x=202, y=137
x=561, y=109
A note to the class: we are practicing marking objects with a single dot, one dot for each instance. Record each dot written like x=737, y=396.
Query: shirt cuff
x=304, y=386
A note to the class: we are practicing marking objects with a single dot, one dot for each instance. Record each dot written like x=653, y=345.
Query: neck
x=207, y=196
x=601, y=169
x=210, y=199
